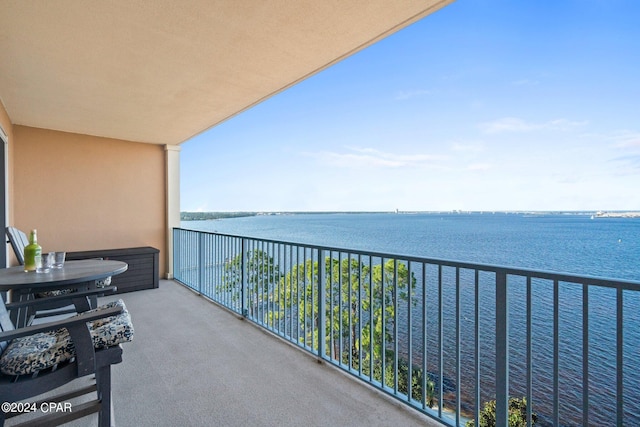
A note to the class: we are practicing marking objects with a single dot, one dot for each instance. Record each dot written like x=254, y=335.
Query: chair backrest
x=5, y=324
x=18, y=241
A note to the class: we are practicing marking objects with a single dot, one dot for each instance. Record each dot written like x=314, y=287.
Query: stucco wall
x=83, y=192
x=5, y=122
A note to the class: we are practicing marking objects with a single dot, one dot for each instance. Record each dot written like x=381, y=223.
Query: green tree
x=383, y=301
x=298, y=293
x=262, y=275
x=517, y=414
x=358, y=297
x=355, y=294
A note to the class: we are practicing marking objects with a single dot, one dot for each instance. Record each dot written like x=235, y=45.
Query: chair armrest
x=70, y=322
x=66, y=297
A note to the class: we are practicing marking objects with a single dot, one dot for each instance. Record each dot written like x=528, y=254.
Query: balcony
x=441, y=337
x=193, y=363
x=48, y=108
x=118, y=211
x=235, y=340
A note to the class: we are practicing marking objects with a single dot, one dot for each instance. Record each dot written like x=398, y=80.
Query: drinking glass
x=44, y=262
x=58, y=260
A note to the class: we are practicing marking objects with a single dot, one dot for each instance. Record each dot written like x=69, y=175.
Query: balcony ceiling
x=163, y=71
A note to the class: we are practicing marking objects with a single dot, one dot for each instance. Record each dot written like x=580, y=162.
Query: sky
x=485, y=105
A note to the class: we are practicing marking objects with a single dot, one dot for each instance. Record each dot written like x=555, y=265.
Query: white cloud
x=507, y=124
x=371, y=157
x=627, y=139
x=408, y=94
x=564, y=124
x=626, y=145
x=514, y=124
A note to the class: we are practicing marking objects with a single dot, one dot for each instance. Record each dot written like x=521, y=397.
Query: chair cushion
x=55, y=293
x=103, y=282
x=111, y=330
x=27, y=355
x=30, y=354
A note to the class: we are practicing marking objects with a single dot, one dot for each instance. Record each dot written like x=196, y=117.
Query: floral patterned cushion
x=102, y=283
x=30, y=354
x=54, y=293
x=111, y=330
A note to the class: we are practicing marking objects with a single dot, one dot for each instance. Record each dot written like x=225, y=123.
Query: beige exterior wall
x=84, y=193
x=7, y=127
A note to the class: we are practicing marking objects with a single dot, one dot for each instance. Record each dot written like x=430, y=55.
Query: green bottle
x=32, y=252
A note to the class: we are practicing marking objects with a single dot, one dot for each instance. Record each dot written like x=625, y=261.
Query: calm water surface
x=571, y=243
x=605, y=247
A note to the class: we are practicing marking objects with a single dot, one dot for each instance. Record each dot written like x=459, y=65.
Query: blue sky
x=484, y=105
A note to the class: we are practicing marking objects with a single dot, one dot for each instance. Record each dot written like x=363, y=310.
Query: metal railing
x=444, y=337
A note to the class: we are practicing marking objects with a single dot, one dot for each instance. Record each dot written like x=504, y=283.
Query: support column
x=4, y=192
x=173, y=201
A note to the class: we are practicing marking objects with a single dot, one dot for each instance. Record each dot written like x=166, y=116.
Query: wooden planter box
x=143, y=266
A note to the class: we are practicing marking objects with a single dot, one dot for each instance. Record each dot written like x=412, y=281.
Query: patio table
x=74, y=274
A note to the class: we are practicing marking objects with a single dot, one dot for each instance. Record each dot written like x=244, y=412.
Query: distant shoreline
x=205, y=216
x=617, y=215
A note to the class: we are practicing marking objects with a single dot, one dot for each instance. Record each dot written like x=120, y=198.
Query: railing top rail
x=497, y=269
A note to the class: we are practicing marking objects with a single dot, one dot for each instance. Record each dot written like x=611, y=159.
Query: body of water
x=571, y=243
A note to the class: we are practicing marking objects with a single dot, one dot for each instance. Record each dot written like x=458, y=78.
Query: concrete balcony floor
x=193, y=363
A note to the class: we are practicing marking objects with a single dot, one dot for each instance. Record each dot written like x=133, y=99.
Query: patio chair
x=56, y=306
x=25, y=312
x=40, y=359
x=19, y=240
